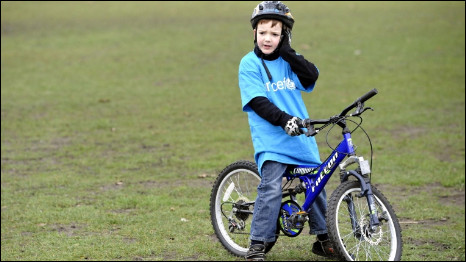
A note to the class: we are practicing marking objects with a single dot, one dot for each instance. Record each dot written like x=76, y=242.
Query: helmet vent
x=272, y=10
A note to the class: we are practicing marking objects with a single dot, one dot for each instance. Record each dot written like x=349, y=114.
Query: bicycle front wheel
x=231, y=205
x=348, y=225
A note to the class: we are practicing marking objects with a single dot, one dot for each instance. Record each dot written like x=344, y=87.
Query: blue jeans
x=268, y=201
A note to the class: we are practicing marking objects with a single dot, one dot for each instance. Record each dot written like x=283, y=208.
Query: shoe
x=269, y=245
x=323, y=248
x=256, y=252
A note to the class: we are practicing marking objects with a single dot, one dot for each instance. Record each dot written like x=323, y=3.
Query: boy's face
x=268, y=35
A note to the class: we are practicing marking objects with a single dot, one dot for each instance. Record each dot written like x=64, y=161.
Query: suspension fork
x=353, y=216
x=366, y=191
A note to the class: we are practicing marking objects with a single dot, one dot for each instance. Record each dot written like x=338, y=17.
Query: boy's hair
x=274, y=22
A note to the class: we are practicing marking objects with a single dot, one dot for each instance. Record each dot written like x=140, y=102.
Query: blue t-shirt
x=271, y=142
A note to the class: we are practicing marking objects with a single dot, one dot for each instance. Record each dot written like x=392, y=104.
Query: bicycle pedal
x=301, y=218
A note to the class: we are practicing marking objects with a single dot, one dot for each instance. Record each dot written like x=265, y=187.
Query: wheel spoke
x=361, y=243
x=235, y=184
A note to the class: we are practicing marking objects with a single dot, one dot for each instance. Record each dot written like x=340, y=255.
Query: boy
x=271, y=79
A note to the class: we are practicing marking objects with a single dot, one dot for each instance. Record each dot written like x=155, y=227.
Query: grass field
x=116, y=118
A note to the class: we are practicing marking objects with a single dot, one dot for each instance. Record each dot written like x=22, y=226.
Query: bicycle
x=361, y=222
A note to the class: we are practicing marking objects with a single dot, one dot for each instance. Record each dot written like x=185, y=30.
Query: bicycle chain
x=240, y=233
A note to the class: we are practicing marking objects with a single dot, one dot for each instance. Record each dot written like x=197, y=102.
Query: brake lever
x=311, y=131
x=359, y=108
x=357, y=113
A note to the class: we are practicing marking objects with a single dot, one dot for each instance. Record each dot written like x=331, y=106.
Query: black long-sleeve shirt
x=269, y=111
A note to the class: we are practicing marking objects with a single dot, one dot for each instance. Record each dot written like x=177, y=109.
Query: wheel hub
x=239, y=204
x=373, y=238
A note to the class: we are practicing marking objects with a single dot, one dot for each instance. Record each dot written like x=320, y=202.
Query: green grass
x=112, y=112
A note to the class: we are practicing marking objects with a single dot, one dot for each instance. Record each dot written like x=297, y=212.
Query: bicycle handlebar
x=360, y=100
x=309, y=123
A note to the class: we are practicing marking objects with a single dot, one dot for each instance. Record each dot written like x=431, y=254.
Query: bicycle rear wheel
x=231, y=205
x=350, y=234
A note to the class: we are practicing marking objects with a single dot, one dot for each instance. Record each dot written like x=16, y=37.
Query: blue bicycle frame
x=317, y=178
x=314, y=179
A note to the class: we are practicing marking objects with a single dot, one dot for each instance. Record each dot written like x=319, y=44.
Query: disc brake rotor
x=373, y=238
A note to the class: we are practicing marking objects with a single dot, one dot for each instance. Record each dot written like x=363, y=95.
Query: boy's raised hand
x=285, y=49
x=288, y=36
x=286, y=41
x=306, y=71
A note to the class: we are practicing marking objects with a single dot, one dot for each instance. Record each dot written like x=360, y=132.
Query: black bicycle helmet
x=272, y=10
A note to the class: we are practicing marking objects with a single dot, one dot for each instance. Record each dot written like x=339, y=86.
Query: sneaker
x=256, y=252
x=323, y=248
x=269, y=245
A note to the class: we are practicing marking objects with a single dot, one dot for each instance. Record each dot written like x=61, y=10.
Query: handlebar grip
x=368, y=95
x=362, y=99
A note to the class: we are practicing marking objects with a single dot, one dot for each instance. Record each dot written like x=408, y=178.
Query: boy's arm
x=270, y=112
x=306, y=71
